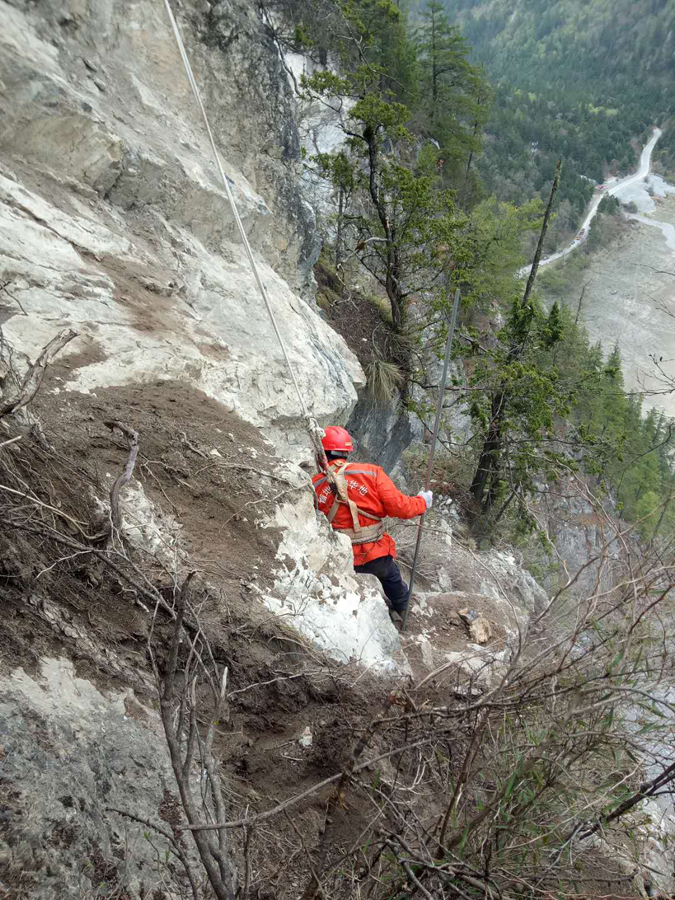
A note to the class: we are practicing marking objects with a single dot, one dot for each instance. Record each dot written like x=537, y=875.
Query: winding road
x=643, y=170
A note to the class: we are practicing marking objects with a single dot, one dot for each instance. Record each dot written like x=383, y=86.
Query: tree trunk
x=581, y=300
x=542, y=235
x=338, y=234
x=393, y=287
x=392, y=261
x=484, y=484
x=434, y=70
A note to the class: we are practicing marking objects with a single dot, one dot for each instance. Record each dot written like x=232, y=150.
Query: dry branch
x=125, y=477
x=175, y=844
x=183, y=739
x=338, y=797
x=33, y=378
x=261, y=817
x=409, y=872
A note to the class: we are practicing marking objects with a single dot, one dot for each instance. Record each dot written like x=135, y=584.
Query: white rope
x=235, y=211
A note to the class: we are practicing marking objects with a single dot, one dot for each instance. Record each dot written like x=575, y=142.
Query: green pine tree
x=456, y=97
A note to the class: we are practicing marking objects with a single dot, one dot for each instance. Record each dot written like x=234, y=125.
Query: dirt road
x=615, y=188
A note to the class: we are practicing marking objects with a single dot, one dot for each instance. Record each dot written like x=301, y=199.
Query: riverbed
x=630, y=293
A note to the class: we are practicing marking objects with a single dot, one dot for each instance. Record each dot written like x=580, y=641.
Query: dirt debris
x=90, y=616
x=356, y=317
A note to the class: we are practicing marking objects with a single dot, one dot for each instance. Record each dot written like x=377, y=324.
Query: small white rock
x=427, y=652
x=306, y=738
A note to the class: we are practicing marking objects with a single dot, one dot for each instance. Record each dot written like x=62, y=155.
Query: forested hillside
x=575, y=78
x=440, y=184
x=617, y=50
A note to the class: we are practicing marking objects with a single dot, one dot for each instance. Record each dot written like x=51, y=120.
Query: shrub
x=384, y=380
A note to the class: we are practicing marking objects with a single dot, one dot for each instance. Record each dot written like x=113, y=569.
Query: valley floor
x=629, y=293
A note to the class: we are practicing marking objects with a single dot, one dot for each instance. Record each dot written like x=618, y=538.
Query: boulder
x=72, y=755
x=317, y=590
x=478, y=626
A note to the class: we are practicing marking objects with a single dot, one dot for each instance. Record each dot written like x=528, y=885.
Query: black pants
x=395, y=588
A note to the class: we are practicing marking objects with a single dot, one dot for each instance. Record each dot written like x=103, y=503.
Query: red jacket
x=372, y=490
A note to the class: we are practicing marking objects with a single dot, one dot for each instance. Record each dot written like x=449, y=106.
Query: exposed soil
x=218, y=475
x=280, y=685
x=356, y=318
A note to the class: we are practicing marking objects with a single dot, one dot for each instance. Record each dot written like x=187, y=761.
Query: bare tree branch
x=125, y=477
x=33, y=378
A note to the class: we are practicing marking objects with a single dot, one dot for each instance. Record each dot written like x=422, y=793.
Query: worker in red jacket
x=356, y=497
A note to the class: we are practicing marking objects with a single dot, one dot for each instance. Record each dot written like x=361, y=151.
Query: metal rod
x=437, y=425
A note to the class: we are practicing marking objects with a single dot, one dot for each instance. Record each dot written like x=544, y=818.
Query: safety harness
x=359, y=534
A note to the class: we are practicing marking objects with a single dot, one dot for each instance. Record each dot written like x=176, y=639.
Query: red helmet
x=336, y=438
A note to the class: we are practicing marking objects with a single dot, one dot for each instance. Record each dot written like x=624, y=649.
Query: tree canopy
x=438, y=185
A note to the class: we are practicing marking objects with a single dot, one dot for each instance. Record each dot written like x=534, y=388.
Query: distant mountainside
x=581, y=79
x=593, y=47
x=617, y=55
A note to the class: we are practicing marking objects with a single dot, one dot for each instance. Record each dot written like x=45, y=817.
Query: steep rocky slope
x=83, y=761
x=113, y=220
x=113, y=224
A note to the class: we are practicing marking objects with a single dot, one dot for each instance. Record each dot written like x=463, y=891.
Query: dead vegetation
x=365, y=324
x=454, y=785
x=455, y=788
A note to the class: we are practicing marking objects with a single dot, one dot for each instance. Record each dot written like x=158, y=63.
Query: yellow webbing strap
x=369, y=534
x=343, y=493
x=360, y=533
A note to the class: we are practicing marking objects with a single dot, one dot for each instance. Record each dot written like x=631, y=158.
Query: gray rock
x=72, y=754
x=427, y=653
x=468, y=616
x=381, y=435
x=163, y=215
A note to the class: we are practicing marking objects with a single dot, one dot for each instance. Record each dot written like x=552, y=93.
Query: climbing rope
x=315, y=430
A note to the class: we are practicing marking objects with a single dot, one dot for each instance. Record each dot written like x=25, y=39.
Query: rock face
x=112, y=219
x=381, y=434
x=586, y=541
x=71, y=754
x=320, y=130
x=344, y=615
x=113, y=222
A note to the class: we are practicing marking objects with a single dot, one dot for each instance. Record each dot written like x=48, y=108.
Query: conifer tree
x=516, y=410
x=407, y=231
x=456, y=97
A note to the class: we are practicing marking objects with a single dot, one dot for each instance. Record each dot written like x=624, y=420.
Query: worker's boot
x=396, y=617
